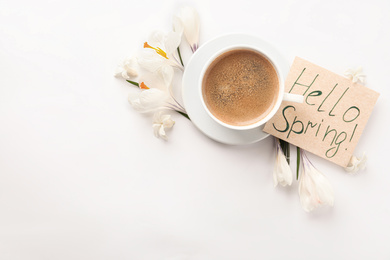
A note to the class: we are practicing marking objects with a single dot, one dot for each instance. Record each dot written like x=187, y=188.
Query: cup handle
x=293, y=97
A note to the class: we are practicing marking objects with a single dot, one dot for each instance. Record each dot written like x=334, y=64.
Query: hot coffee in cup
x=241, y=87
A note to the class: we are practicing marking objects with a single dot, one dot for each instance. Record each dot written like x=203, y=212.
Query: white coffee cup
x=281, y=94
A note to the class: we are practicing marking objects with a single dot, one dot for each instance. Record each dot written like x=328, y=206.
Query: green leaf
x=286, y=149
x=183, y=114
x=133, y=82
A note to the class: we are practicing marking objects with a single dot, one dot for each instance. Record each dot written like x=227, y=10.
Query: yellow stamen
x=143, y=86
x=158, y=50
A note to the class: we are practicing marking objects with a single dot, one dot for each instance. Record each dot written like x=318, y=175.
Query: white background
x=83, y=177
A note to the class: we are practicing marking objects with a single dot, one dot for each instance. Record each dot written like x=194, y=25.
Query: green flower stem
x=181, y=61
x=288, y=152
x=183, y=114
x=133, y=82
x=286, y=149
x=298, y=160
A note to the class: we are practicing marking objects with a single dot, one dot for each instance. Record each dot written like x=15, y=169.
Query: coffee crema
x=240, y=87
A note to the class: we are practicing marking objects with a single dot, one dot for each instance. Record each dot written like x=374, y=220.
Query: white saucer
x=191, y=93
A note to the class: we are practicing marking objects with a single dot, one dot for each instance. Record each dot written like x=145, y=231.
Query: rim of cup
x=277, y=70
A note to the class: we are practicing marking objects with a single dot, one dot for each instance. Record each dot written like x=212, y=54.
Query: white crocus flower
x=155, y=95
x=190, y=22
x=355, y=75
x=163, y=57
x=127, y=69
x=148, y=100
x=162, y=122
x=282, y=171
x=314, y=188
x=356, y=164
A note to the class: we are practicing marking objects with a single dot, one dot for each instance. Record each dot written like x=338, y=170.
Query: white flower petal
x=131, y=72
x=282, y=173
x=323, y=187
x=173, y=40
x=118, y=72
x=167, y=122
x=190, y=19
x=157, y=131
x=305, y=189
x=361, y=77
x=314, y=188
x=355, y=75
x=151, y=61
x=125, y=75
x=148, y=100
x=154, y=81
x=177, y=25
x=162, y=134
x=157, y=118
x=156, y=127
x=167, y=74
x=162, y=122
x=127, y=69
x=356, y=164
x=134, y=100
x=157, y=39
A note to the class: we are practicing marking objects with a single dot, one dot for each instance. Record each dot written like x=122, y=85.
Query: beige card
x=332, y=116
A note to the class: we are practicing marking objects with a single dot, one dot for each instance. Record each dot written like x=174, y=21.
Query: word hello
x=326, y=105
